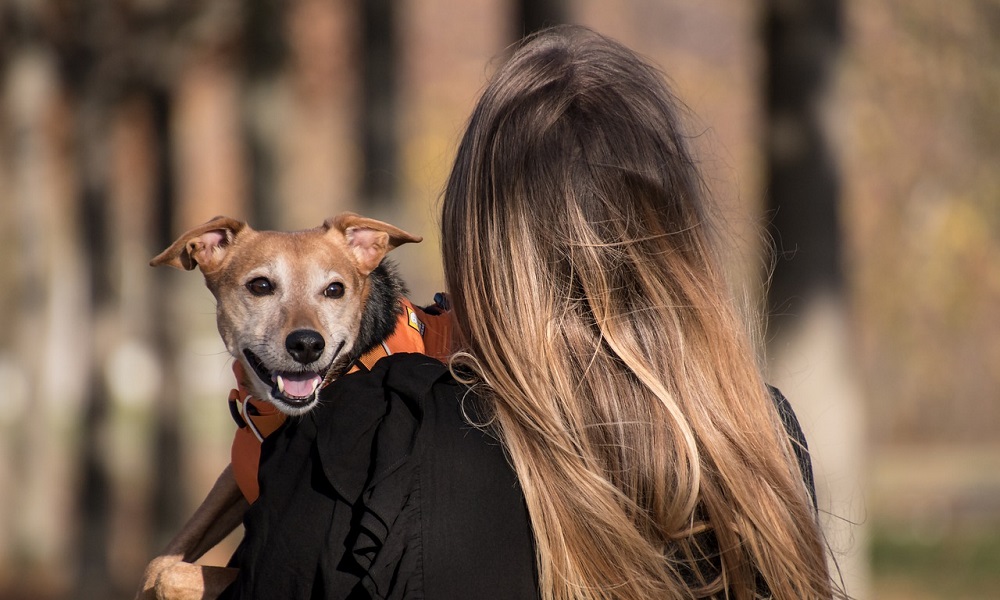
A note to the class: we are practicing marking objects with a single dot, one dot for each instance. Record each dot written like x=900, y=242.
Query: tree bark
x=534, y=15
x=810, y=341
x=379, y=119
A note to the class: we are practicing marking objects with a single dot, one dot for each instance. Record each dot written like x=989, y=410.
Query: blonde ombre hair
x=593, y=317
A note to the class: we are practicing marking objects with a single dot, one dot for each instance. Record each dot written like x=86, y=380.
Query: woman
x=596, y=324
x=610, y=436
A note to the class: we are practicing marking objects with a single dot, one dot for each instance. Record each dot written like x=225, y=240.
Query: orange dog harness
x=427, y=331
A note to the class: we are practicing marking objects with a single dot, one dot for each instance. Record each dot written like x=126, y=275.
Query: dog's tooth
x=315, y=385
x=281, y=384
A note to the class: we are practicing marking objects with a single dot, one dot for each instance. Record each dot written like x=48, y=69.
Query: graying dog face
x=289, y=305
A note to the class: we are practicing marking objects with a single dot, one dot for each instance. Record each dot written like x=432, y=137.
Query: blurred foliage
x=922, y=86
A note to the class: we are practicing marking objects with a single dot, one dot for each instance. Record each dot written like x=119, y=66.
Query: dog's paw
x=147, y=590
x=186, y=581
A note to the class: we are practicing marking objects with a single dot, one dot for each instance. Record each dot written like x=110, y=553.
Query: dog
x=296, y=310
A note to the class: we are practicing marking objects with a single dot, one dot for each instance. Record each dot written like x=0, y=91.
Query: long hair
x=593, y=317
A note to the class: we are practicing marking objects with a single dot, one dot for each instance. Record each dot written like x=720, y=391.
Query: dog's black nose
x=305, y=345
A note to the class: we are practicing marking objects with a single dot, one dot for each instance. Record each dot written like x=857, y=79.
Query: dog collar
x=261, y=418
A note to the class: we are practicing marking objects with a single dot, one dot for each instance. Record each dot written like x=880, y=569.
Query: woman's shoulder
x=407, y=409
x=416, y=396
x=409, y=423
x=471, y=503
x=449, y=425
x=794, y=431
x=433, y=457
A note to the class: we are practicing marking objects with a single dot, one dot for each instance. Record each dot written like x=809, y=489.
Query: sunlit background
x=859, y=139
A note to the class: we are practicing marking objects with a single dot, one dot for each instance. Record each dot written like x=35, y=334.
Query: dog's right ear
x=204, y=246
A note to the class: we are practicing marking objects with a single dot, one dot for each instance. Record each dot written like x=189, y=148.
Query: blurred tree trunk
x=803, y=39
x=534, y=15
x=92, y=89
x=42, y=393
x=810, y=343
x=167, y=489
x=95, y=490
x=264, y=53
x=108, y=52
x=379, y=118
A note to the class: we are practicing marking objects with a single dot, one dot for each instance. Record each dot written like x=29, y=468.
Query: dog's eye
x=261, y=286
x=334, y=290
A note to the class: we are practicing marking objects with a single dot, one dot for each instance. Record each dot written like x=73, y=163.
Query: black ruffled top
x=385, y=491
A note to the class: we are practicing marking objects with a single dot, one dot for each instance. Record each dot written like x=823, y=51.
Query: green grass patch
x=939, y=564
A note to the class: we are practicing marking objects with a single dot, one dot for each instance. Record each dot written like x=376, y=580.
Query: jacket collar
x=367, y=424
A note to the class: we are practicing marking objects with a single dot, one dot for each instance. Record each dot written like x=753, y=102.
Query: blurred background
x=858, y=140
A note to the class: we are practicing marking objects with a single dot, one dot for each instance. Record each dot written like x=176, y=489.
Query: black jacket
x=385, y=491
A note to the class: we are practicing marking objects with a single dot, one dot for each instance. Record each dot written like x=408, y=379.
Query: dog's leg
x=171, y=575
x=219, y=514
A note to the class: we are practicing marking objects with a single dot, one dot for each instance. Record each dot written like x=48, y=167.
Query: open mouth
x=295, y=388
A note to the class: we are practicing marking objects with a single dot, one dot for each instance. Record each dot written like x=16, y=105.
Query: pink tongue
x=300, y=385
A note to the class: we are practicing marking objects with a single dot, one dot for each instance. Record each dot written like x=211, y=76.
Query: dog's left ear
x=369, y=240
x=204, y=246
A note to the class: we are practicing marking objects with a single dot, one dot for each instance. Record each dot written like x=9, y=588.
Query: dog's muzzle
x=295, y=389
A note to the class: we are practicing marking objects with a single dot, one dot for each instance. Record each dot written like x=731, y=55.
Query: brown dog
x=296, y=309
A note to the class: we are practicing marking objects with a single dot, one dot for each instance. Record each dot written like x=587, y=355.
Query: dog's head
x=289, y=304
